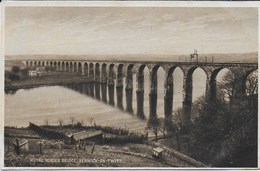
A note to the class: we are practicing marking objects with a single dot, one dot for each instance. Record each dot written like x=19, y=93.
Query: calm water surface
x=55, y=103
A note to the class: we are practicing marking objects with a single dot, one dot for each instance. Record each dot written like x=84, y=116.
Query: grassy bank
x=47, y=79
x=55, y=153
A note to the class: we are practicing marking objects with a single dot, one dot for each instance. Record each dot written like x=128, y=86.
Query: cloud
x=130, y=30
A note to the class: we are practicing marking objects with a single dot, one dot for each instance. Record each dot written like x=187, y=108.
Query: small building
x=34, y=73
x=158, y=152
x=40, y=69
x=93, y=135
x=21, y=146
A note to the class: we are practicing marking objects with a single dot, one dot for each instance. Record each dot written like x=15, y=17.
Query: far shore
x=50, y=79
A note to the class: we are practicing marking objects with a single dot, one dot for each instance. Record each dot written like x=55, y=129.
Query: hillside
x=251, y=57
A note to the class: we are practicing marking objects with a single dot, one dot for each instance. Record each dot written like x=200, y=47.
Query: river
x=56, y=103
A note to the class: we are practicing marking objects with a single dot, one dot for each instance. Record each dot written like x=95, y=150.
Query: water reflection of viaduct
x=109, y=74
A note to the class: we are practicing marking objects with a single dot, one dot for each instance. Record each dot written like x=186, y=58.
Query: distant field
x=10, y=63
x=251, y=57
x=49, y=78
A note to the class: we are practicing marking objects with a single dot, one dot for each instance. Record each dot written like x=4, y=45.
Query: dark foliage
x=11, y=76
x=154, y=125
x=221, y=137
x=24, y=72
x=16, y=69
x=224, y=134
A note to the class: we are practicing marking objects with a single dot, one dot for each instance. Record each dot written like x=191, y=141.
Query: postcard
x=150, y=85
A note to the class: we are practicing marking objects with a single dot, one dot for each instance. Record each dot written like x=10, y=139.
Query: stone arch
x=104, y=82
x=141, y=68
x=51, y=64
x=59, y=66
x=153, y=92
x=129, y=76
x=92, y=77
x=75, y=69
x=187, y=93
x=111, y=72
x=140, y=90
x=97, y=71
x=189, y=78
x=111, y=84
x=212, y=94
x=252, y=84
x=104, y=73
x=129, y=88
x=199, y=83
x=153, y=78
x=172, y=69
x=248, y=73
x=252, y=89
x=35, y=63
x=71, y=67
x=140, y=77
x=168, y=92
x=67, y=66
x=120, y=74
x=91, y=71
x=55, y=65
x=62, y=66
x=97, y=78
x=85, y=68
x=191, y=70
x=79, y=68
x=119, y=86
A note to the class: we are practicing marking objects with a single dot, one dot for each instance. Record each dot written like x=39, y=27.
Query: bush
x=24, y=72
x=16, y=69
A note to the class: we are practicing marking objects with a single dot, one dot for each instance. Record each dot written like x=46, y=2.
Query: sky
x=129, y=30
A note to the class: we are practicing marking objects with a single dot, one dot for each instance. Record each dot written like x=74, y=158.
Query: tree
x=230, y=130
x=60, y=121
x=227, y=87
x=72, y=120
x=252, y=83
x=154, y=124
x=24, y=72
x=221, y=135
x=16, y=69
x=162, y=126
x=7, y=76
x=14, y=76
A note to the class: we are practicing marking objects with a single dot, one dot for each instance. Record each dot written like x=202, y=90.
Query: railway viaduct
x=110, y=74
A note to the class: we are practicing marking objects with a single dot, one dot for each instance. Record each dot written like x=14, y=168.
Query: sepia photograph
x=130, y=86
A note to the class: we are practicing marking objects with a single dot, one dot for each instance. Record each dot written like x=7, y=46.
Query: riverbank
x=47, y=79
x=55, y=153
x=46, y=151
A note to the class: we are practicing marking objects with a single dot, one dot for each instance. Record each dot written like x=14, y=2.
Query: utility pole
x=193, y=56
x=196, y=54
